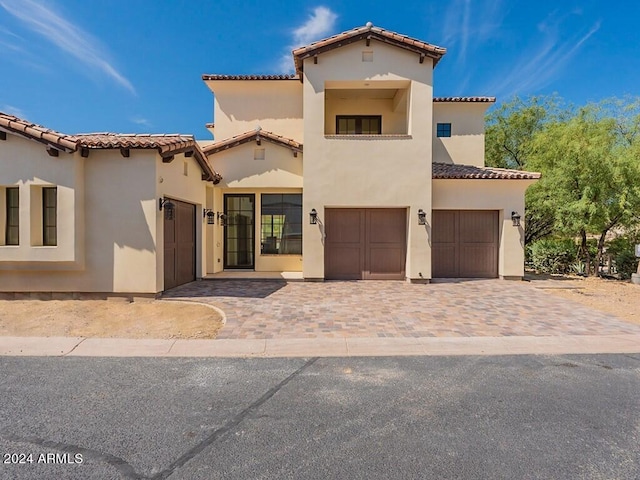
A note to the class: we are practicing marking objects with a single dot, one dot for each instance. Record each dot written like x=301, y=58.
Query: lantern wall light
x=209, y=215
x=422, y=217
x=313, y=216
x=168, y=206
x=515, y=218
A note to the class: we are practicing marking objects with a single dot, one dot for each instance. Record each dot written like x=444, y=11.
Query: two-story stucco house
x=348, y=169
x=351, y=169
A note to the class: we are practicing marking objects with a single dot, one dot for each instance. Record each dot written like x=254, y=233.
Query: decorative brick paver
x=274, y=309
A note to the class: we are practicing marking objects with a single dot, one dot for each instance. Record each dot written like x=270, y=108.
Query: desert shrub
x=552, y=255
x=622, y=249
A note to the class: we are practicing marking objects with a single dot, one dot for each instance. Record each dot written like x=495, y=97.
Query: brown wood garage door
x=464, y=244
x=365, y=243
x=180, y=245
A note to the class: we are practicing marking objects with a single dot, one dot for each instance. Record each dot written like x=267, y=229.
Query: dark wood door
x=180, y=245
x=365, y=243
x=465, y=244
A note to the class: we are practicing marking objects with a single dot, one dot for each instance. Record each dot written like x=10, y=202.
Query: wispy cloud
x=65, y=35
x=464, y=20
x=540, y=66
x=11, y=110
x=138, y=120
x=319, y=24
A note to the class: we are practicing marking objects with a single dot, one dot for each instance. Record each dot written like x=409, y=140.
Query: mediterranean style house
x=348, y=169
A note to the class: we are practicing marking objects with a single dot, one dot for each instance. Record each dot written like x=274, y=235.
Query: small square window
x=443, y=130
x=367, y=56
x=258, y=154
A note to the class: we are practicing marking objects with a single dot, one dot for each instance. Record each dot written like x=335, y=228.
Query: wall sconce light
x=422, y=217
x=222, y=219
x=168, y=206
x=313, y=216
x=209, y=215
x=515, y=218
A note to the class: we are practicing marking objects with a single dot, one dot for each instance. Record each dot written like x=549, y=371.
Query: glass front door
x=239, y=230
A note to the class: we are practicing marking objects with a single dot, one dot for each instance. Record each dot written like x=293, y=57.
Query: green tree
x=591, y=175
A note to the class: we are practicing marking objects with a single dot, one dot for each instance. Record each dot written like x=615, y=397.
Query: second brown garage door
x=365, y=243
x=464, y=244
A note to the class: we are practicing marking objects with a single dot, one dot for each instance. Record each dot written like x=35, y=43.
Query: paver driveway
x=273, y=309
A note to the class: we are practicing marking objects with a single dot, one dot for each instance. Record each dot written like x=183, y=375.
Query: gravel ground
x=112, y=318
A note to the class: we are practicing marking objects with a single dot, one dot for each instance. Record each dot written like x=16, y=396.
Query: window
x=281, y=224
x=49, y=214
x=12, y=234
x=358, y=124
x=443, y=130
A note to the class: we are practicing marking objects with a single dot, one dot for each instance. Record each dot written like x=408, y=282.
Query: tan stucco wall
x=25, y=164
x=120, y=237
x=263, y=263
x=502, y=195
x=368, y=171
x=466, y=144
x=242, y=105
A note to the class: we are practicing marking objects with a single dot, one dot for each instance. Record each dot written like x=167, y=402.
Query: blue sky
x=135, y=66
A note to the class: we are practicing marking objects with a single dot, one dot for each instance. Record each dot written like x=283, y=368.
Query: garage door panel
x=444, y=262
x=444, y=226
x=478, y=261
x=344, y=263
x=344, y=226
x=386, y=262
x=477, y=227
x=386, y=225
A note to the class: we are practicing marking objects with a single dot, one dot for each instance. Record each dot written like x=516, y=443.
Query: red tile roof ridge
x=214, y=76
x=241, y=138
x=465, y=99
x=334, y=41
x=455, y=171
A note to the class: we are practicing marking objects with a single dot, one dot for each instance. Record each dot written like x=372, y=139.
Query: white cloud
x=319, y=24
x=11, y=110
x=138, y=120
x=65, y=35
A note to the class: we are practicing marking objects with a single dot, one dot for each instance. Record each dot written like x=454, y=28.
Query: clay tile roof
x=249, y=77
x=365, y=33
x=451, y=171
x=30, y=130
x=254, y=135
x=166, y=144
x=465, y=99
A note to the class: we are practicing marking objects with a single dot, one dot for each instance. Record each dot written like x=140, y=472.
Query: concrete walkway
x=319, y=347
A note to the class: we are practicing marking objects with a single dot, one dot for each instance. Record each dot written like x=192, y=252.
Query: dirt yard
x=112, y=318
x=619, y=298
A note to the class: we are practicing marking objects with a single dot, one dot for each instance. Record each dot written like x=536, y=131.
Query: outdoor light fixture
x=210, y=216
x=222, y=219
x=515, y=218
x=313, y=216
x=422, y=217
x=168, y=206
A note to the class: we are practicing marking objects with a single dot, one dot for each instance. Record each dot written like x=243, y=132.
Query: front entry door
x=239, y=231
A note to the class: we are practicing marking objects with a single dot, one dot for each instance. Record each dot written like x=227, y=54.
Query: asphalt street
x=507, y=417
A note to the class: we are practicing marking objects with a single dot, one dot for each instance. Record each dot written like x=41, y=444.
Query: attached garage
x=365, y=243
x=180, y=245
x=465, y=244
